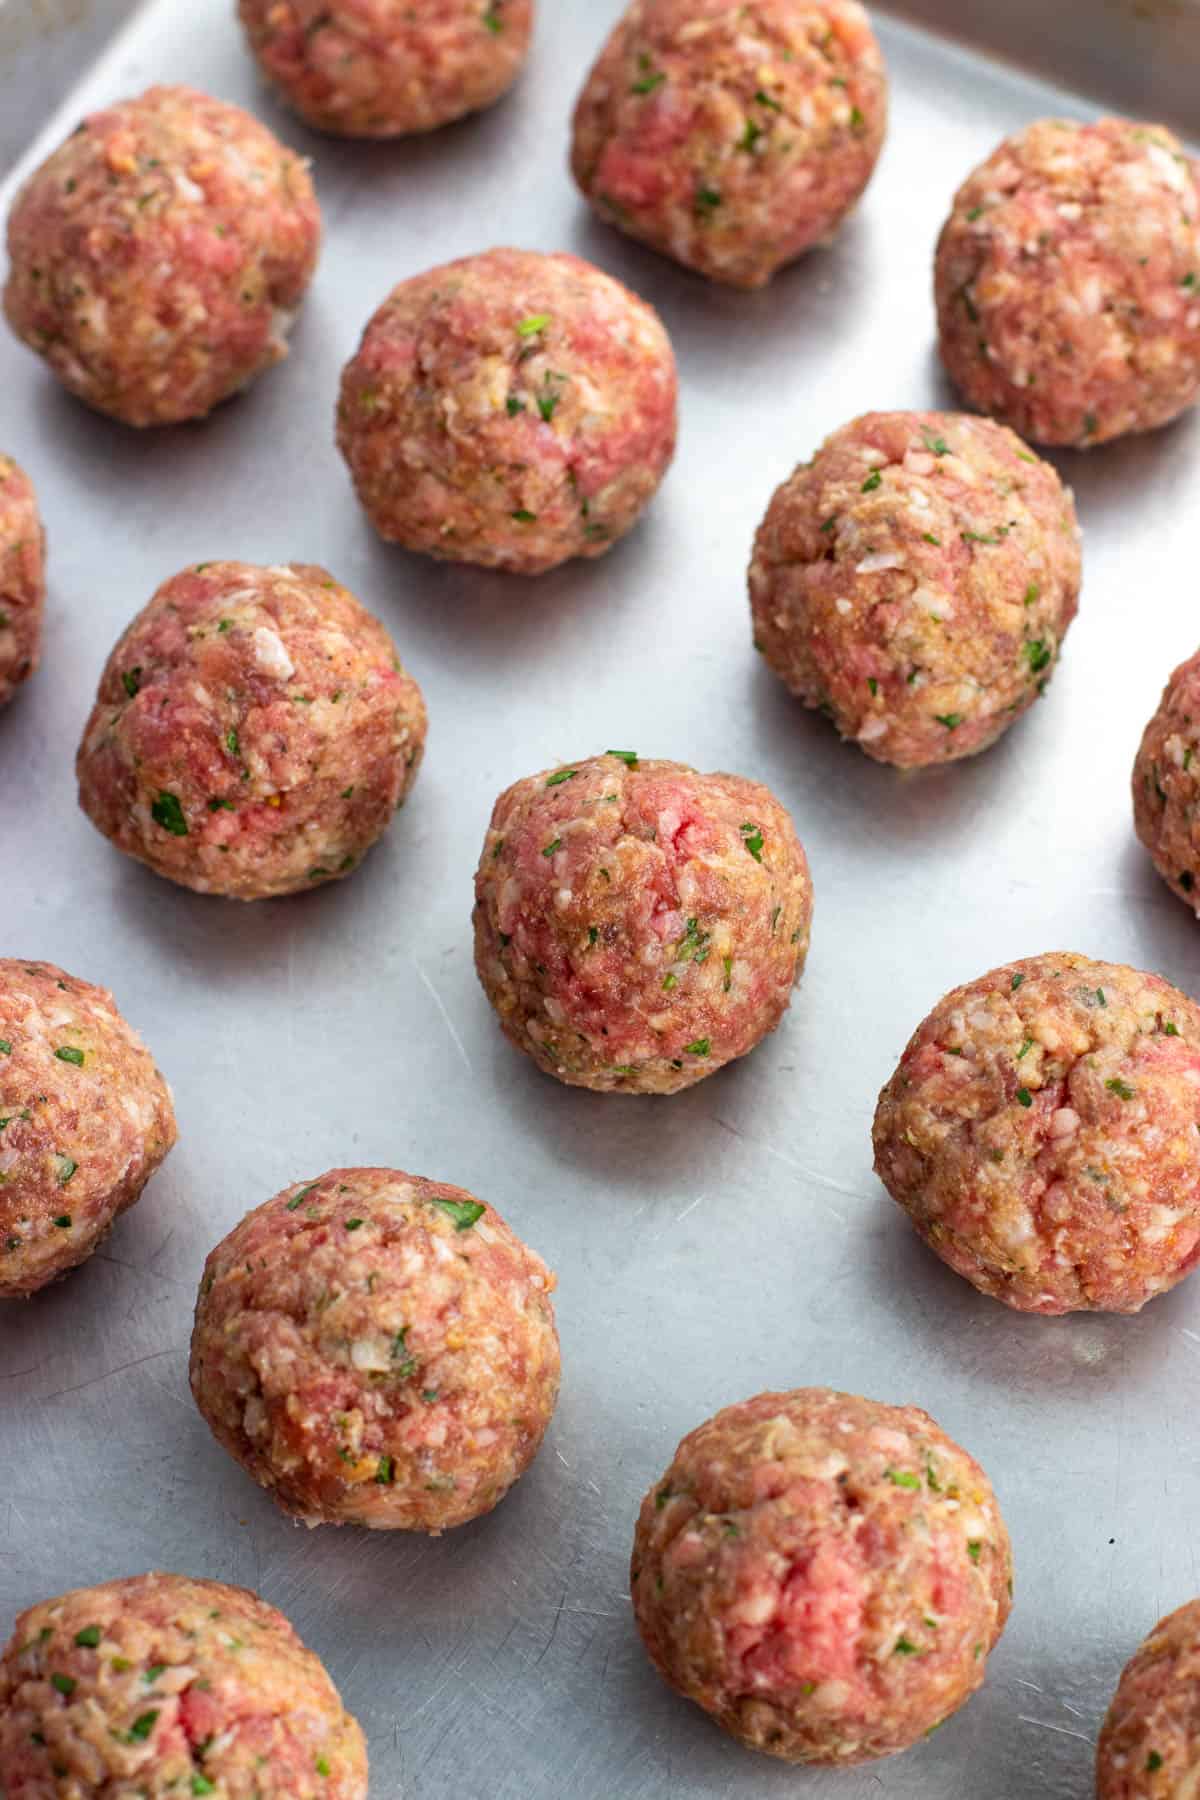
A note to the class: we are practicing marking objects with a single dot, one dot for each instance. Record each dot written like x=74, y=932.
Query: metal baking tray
x=710, y=1245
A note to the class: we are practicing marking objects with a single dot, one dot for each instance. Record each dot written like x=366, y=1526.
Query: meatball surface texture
x=1150, y=1745
x=377, y=1349
x=1042, y=1132
x=512, y=410
x=1166, y=784
x=382, y=68
x=161, y=1687
x=732, y=138
x=85, y=1120
x=1067, y=281
x=22, y=578
x=637, y=924
x=253, y=733
x=158, y=255
x=915, y=581
x=823, y=1574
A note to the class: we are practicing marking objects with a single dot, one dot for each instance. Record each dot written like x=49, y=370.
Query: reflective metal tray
x=732, y=1238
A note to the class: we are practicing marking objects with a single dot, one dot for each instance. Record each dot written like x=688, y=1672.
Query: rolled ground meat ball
x=1150, y=1746
x=915, y=581
x=1041, y=1134
x=1166, y=784
x=1067, y=281
x=158, y=255
x=732, y=138
x=639, y=925
x=377, y=1349
x=162, y=1687
x=511, y=409
x=253, y=733
x=824, y=1575
x=85, y=1120
x=380, y=68
x=22, y=578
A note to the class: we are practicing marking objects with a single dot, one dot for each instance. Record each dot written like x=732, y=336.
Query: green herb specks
x=874, y=480
x=1120, y=1088
x=628, y=757
x=902, y=1478
x=168, y=813
x=131, y=681
x=698, y=1047
x=67, y=1053
x=562, y=775
x=1024, y=1097
x=551, y=847
x=530, y=327
x=464, y=1213
x=752, y=837
x=88, y=1638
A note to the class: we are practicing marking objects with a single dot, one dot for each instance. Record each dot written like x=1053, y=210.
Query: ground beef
x=253, y=733
x=511, y=409
x=160, y=1687
x=915, y=581
x=377, y=1349
x=638, y=925
x=732, y=137
x=1150, y=1745
x=85, y=1120
x=1068, y=281
x=159, y=254
x=1041, y=1132
x=22, y=578
x=380, y=68
x=824, y=1575
x=1166, y=784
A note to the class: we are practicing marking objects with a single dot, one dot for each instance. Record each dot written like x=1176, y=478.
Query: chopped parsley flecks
x=232, y=743
x=355, y=1224
x=551, y=847
x=1120, y=1088
x=63, y=1684
x=752, y=837
x=873, y=685
x=903, y=1647
x=88, y=1638
x=131, y=680
x=707, y=200
x=66, y=1168
x=202, y=1785
x=829, y=523
x=929, y=538
x=495, y=24
x=669, y=982
x=523, y=516
x=593, y=934
x=1026, y=1047
x=1153, y=1761
x=295, y=1200
x=69, y=1054
x=1170, y=1029
x=1090, y=424
x=651, y=79
x=563, y=775
x=628, y=757
x=874, y=480
x=1033, y=593
x=1016, y=982
x=727, y=964
x=974, y=1549
x=1024, y=1097
x=902, y=1478
x=464, y=1213
x=167, y=812
x=765, y=99
x=750, y=136
x=530, y=327
x=937, y=446
x=322, y=1765
x=5, y=1047
x=1039, y=655
x=951, y=721
x=384, y=1473
x=698, y=1047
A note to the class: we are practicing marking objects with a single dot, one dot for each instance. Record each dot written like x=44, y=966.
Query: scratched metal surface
x=708, y=1246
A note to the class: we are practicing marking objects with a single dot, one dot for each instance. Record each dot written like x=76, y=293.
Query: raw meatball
x=511, y=409
x=1150, y=1745
x=1068, y=281
x=915, y=581
x=638, y=925
x=85, y=1120
x=377, y=1349
x=1166, y=784
x=379, y=68
x=159, y=254
x=22, y=578
x=824, y=1575
x=1041, y=1132
x=732, y=138
x=160, y=1686
x=253, y=733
